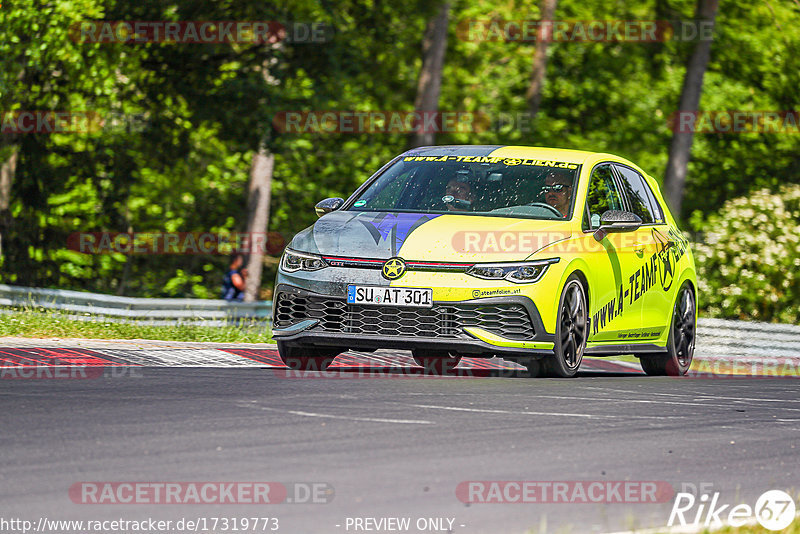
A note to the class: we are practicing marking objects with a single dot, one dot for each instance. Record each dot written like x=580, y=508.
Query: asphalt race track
x=385, y=442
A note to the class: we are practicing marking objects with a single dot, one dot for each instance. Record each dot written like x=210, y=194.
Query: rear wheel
x=680, y=343
x=436, y=362
x=571, y=332
x=301, y=358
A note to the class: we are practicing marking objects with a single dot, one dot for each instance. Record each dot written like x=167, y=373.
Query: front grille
x=443, y=320
x=293, y=308
x=382, y=321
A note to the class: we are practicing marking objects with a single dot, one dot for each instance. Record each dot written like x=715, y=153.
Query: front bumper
x=508, y=326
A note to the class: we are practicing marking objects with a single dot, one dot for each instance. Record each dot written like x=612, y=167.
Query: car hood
x=429, y=237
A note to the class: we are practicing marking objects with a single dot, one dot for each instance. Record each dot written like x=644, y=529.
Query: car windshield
x=474, y=185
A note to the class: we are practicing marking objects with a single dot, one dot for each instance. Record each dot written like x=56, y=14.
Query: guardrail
x=715, y=337
x=151, y=311
x=742, y=340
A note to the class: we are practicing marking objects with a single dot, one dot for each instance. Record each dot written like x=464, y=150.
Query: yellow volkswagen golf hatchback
x=535, y=255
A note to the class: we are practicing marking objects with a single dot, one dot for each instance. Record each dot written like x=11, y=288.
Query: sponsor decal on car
x=482, y=293
x=495, y=159
x=659, y=267
x=394, y=227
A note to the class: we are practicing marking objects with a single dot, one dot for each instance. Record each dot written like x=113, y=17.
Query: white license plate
x=390, y=296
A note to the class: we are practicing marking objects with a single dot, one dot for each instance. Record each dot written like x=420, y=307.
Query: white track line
x=757, y=400
x=480, y=410
x=555, y=414
x=345, y=417
x=641, y=401
x=699, y=397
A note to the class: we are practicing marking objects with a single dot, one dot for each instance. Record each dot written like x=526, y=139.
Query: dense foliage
x=749, y=265
x=192, y=115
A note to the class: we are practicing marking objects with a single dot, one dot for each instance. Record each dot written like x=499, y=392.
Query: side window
x=603, y=195
x=658, y=211
x=639, y=196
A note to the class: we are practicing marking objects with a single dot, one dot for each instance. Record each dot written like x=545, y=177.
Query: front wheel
x=300, y=358
x=680, y=343
x=571, y=332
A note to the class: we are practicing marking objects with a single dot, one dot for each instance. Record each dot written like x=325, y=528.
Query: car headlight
x=300, y=261
x=519, y=273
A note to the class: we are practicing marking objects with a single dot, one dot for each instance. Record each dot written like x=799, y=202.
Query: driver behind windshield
x=558, y=191
x=458, y=195
x=459, y=191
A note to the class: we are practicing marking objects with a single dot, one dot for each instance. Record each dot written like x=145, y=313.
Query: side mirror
x=328, y=205
x=617, y=221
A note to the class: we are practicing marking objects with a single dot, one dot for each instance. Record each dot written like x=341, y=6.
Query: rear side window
x=603, y=195
x=640, y=198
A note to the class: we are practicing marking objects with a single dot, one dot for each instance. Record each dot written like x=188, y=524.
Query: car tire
x=681, y=339
x=436, y=362
x=572, y=329
x=300, y=358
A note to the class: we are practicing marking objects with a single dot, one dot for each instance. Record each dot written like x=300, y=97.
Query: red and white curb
x=106, y=354
x=21, y=353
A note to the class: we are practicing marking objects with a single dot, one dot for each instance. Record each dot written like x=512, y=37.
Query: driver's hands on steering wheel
x=548, y=206
x=456, y=203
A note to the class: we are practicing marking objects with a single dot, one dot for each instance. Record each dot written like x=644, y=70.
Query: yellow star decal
x=394, y=268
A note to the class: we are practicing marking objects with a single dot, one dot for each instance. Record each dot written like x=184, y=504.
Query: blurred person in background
x=233, y=281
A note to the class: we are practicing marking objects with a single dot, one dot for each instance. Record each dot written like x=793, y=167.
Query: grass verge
x=41, y=323
x=794, y=528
